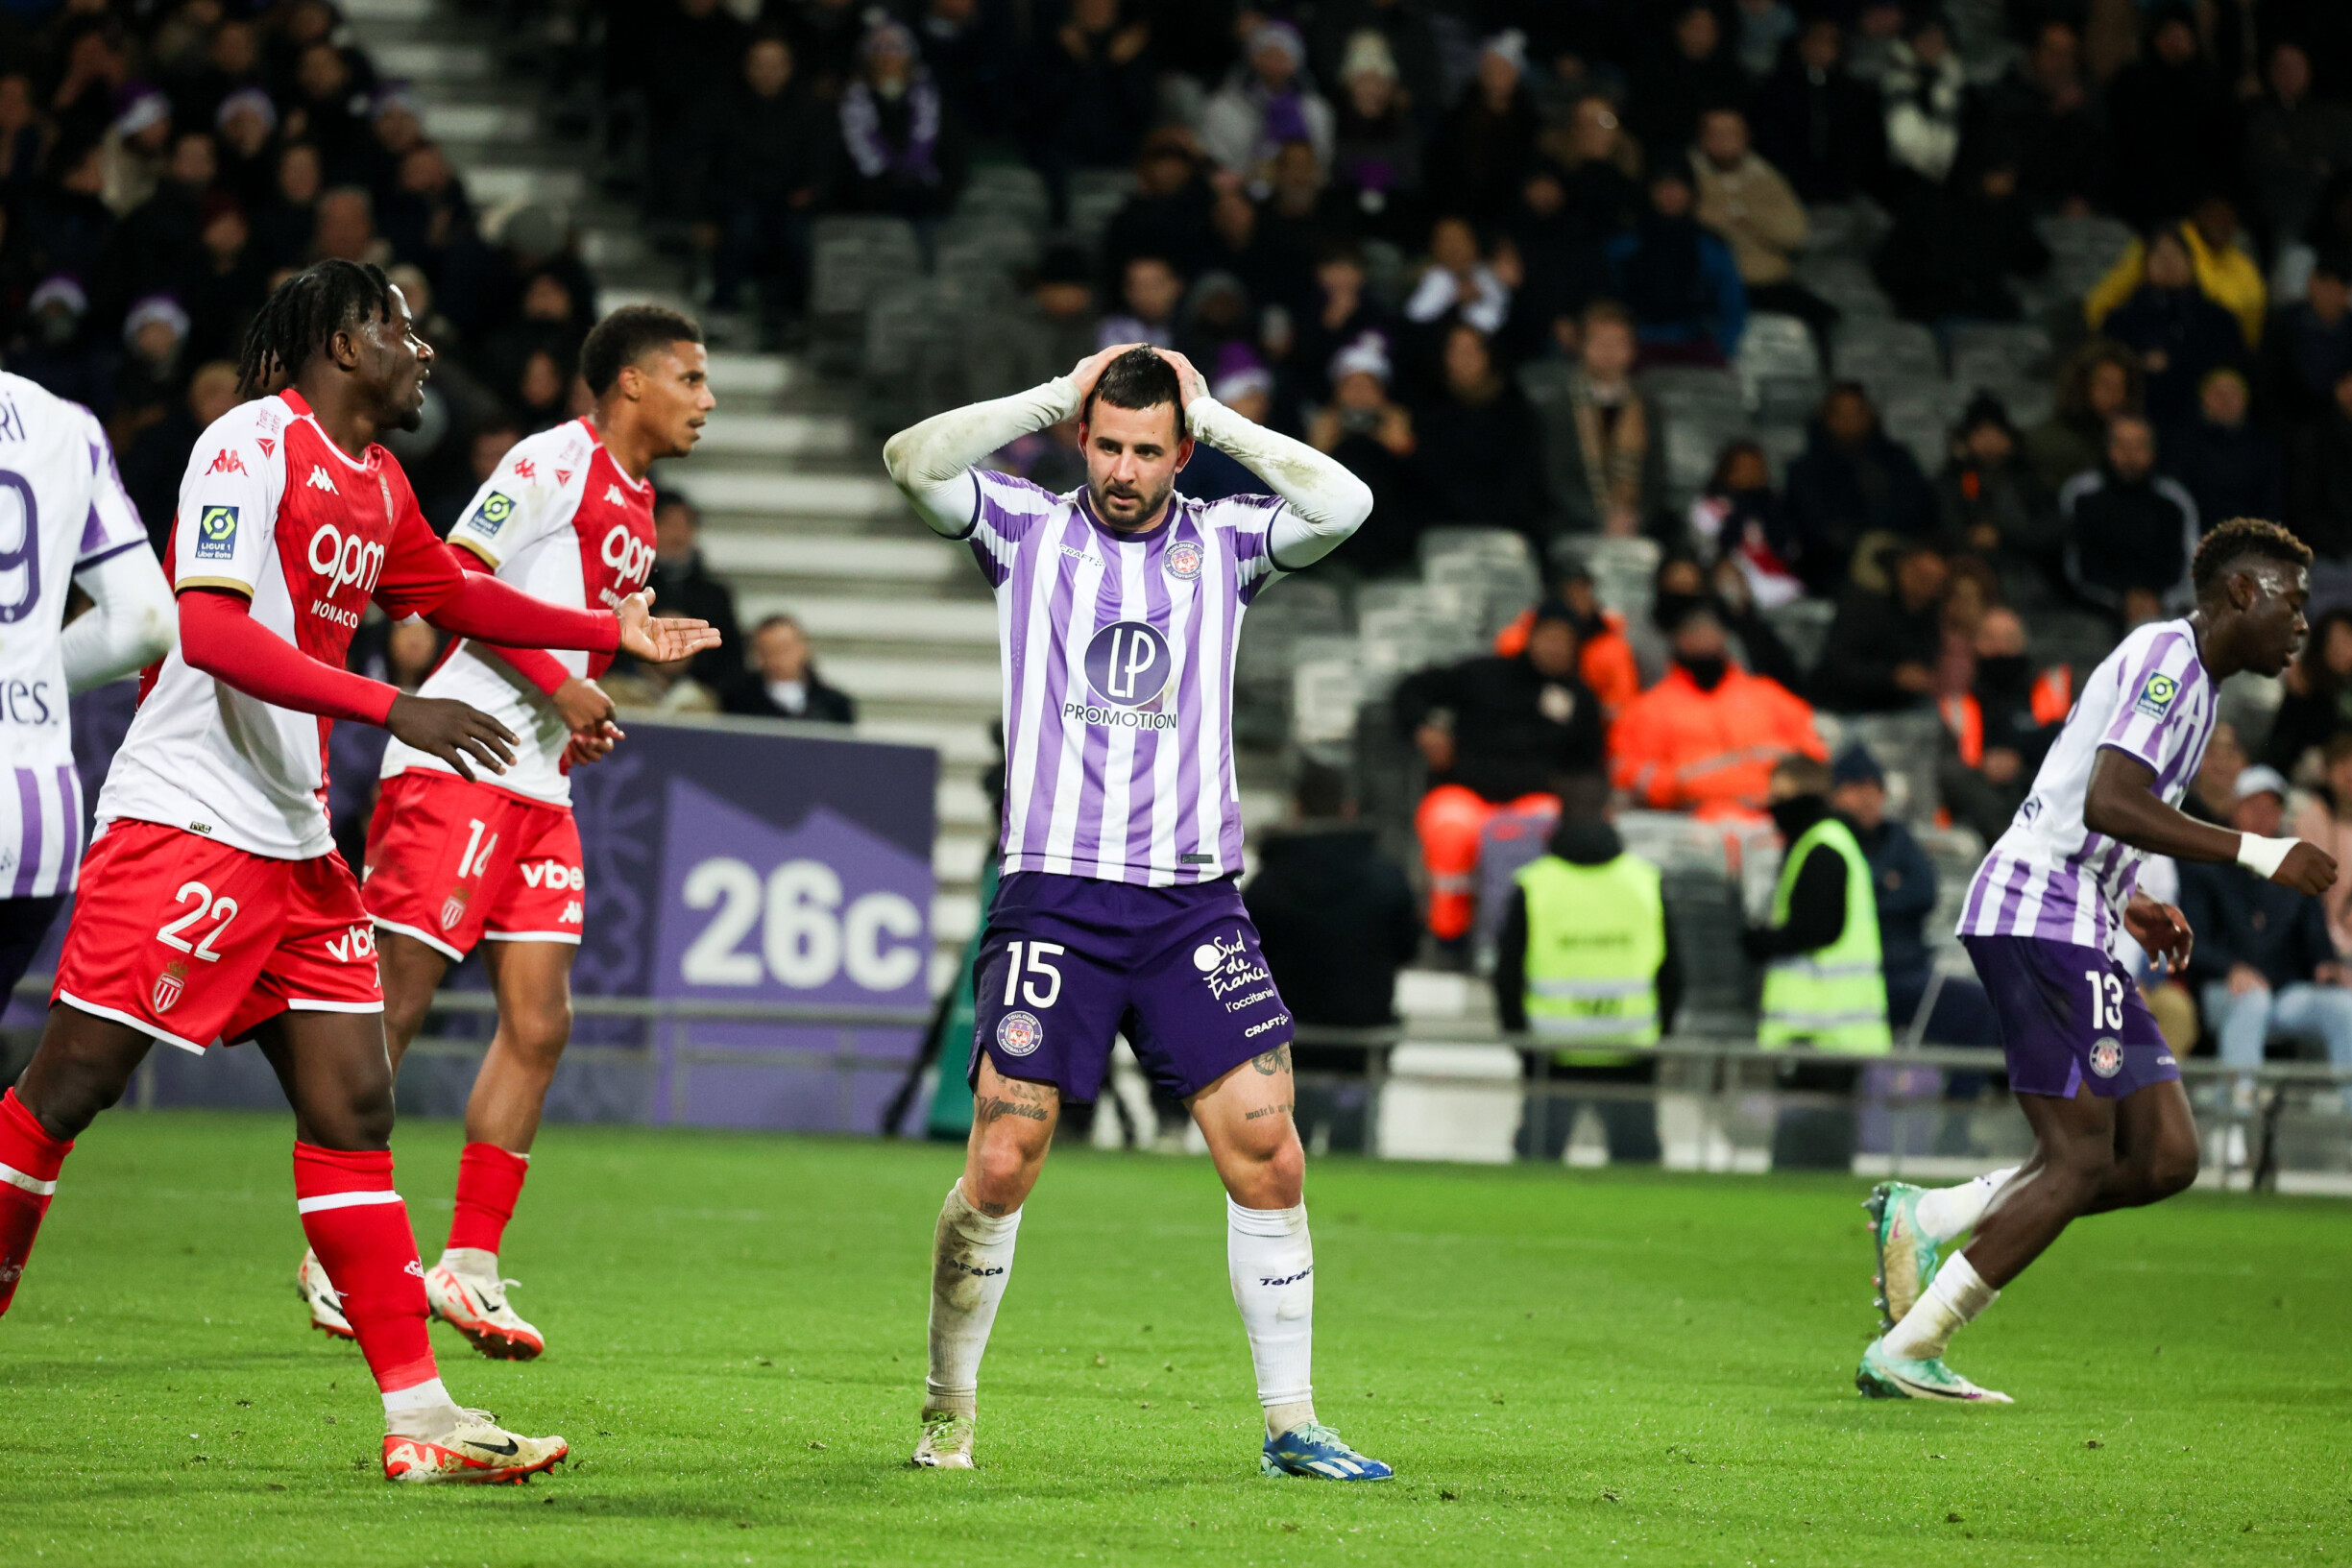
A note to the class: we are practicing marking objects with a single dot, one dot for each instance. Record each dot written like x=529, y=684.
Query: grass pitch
x=1590, y=1368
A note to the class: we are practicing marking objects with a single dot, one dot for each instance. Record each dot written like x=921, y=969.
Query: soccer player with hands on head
x=1119, y=605
x=567, y=516
x=2099, y=1087
x=214, y=905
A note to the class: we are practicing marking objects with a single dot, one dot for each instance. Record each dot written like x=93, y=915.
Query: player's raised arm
x=1325, y=503
x=932, y=463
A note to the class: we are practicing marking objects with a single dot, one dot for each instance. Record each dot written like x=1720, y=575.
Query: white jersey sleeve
x=225, y=523
x=521, y=499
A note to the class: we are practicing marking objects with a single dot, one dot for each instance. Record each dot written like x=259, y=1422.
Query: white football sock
x=471, y=1263
x=971, y=1259
x=1270, y=1259
x=1954, y=1297
x=1954, y=1211
x=423, y=1409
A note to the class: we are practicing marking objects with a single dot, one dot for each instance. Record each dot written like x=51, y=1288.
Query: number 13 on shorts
x=1039, y=965
x=2106, y=999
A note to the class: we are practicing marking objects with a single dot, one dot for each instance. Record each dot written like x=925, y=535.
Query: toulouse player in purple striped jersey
x=2112, y=1128
x=1118, y=607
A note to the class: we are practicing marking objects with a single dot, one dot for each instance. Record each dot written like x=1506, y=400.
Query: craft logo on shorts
x=1019, y=1034
x=216, y=534
x=1129, y=665
x=2155, y=698
x=1182, y=562
x=170, y=984
x=2107, y=1059
x=492, y=515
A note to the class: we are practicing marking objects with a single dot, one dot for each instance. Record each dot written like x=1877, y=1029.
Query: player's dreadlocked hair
x=2238, y=539
x=301, y=314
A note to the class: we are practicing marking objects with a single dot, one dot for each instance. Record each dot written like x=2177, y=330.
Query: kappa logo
x=226, y=460
x=319, y=480
x=216, y=534
x=170, y=984
x=526, y=468
x=613, y=495
x=2107, y=1059
x=1182, y=562
x=1019, y=1034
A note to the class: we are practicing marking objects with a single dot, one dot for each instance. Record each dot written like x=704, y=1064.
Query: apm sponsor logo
x=345, y=561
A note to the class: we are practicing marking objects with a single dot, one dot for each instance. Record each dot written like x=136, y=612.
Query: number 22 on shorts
x=1038, y=954
x=222, y=910
x=2106, y=1000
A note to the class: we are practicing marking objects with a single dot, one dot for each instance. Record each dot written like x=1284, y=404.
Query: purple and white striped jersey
x=62, y=510
x=1118, y=658
x=2050, y=876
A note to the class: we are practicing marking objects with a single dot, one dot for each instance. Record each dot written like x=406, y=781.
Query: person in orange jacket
x=1998, y=730
x=1706, y=736
x=1604, y=659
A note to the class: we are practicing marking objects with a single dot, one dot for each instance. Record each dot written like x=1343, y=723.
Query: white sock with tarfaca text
x=1270, y=1259
x=1954, y=1297
x=971, y=1259
x=1947, y=1212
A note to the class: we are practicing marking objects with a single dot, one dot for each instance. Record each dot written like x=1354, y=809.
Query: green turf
x=1561, y=1366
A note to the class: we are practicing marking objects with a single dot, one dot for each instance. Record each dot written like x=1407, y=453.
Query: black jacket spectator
x=2318, y=702
x=678, y=51
x=2043, y=108
x=1091, y=93
x=1903, y=879
x=1168, y=216
x=1516, y=728
x=1337, y=919
x=2294, y=139
x=2321, y=474
x=691, y=588
x=1991, y=503
x=1821, y=129
x=2129, y=530
x=1476, y=457
x=2308, y=346
x=1482, y=152
x=2230, y=470
x=2181, y=336
x=752, y=696
x=2173, y=124
x=1853, y=480
x=1951, y=255
x=1878, y=644
x=1690, y=69
x=2241, y=917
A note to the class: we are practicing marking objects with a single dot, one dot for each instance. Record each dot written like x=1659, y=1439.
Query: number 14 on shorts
x=1040, y=964
x=2106, y=999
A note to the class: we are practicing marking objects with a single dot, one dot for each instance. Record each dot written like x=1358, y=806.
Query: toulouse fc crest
x=1019, y=1034
x=1182, y=560
x=2107, y=1059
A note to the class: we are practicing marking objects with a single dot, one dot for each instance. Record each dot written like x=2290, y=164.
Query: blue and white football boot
x=1316, y=1450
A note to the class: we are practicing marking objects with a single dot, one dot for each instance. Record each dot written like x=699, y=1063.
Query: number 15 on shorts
x=2106, y=999
x=1039, y=965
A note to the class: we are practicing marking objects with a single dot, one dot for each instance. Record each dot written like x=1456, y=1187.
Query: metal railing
x=1718, y=1074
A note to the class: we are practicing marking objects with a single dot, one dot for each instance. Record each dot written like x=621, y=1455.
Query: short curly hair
x=2236, y=539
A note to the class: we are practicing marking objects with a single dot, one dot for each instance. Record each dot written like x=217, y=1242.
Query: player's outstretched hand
x=2307, y=869
x=581, y=704
x=1191, y=384
x=2162, y=930
x=663, y=641
x=451, y=730
x=1089, y=369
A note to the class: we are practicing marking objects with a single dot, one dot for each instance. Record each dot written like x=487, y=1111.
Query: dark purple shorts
x=2070, y=1015
x=1069, y=962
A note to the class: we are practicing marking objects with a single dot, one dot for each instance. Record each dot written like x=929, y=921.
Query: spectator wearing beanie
x=1991, y=503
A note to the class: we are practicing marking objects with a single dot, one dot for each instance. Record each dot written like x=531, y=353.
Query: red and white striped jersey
x=559, y=521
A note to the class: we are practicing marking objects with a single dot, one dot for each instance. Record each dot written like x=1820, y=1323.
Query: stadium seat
x=1985, y=351
x=1869, y=349
x=1012, y=190
x=1776, y=344
x=1096, y=196
x=1906, y=746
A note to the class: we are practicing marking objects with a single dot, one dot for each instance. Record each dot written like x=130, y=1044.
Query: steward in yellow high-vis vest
x=1825, y=984
x=1584, y=962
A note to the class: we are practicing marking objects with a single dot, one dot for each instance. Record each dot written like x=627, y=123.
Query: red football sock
x=358, y=1226
x=489, y=1181
x=30, y=1160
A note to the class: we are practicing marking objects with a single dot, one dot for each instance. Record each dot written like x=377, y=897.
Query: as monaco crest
x=452, y=909
x=169, y=984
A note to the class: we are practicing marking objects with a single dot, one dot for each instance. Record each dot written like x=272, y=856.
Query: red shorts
x=452, y=863
x=193, y=940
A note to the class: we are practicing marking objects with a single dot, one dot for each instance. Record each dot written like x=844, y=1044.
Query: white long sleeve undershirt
x=132, y=621
x=932, y=463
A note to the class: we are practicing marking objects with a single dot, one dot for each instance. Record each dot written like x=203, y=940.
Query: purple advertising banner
x=740, y=861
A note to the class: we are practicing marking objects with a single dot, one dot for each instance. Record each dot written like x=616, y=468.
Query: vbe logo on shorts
x=1128, y=663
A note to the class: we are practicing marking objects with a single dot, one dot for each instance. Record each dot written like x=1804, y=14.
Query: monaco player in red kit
x=452, y=861
x=213, y=904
